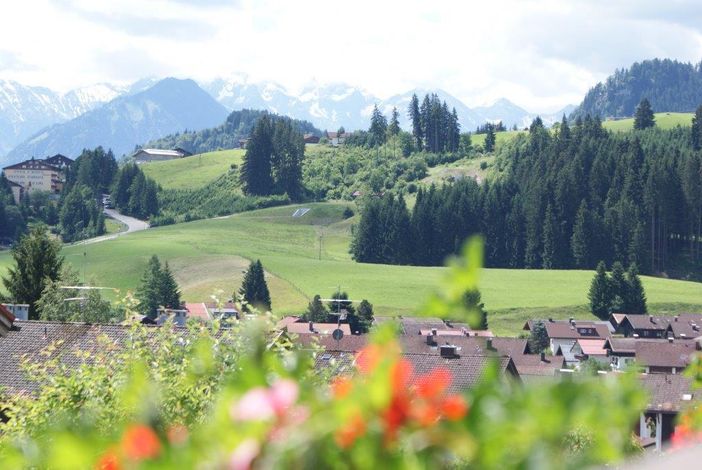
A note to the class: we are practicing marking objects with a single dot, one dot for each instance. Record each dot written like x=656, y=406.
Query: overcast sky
x=541, y=54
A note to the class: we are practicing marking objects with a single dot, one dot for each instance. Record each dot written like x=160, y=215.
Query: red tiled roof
x=197, y=310
x=592, y=347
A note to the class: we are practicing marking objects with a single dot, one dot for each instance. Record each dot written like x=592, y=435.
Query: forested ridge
x=669, y=85
x=239, y=125
x=564, y=199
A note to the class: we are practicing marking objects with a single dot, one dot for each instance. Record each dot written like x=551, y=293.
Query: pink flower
x=260, y=404
x=244, y=455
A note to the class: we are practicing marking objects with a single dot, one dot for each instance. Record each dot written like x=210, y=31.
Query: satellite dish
x=338, y=334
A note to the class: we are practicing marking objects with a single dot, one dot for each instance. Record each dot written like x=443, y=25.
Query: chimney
x=433, y=332
x=550, y=320
x=312, y=327
x=489, y=343
x=543, y=356
x=430, y=340
x=572, y=320
x=448, y=351
x=650, y=318
x=675, y=318
x=670, y=339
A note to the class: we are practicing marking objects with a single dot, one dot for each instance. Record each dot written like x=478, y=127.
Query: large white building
x=37, y=175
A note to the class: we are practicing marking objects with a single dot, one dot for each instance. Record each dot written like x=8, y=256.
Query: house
x=61, y=162
x=585, y=349
x=335, y=139
x=664, y=357
x=562, y=334
x=685, y=326
x=644, y=326
x=424, y=326
x=534, y=368
x=307, y=328
x=311, y=139
x=177, y=316
x=208, y=311
x=20, y=311
x=620, y=351
x=668, y=396
x=17, y=191
x=6, y=320
x=33, y=176
x=158, y=155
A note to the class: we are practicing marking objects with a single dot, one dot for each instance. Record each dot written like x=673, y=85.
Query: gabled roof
x=32, y=164
x=591, y=347
x=571, y=329
x=686, y=325
x=668, y=393
x=647, y=322
x=466, y=345
x=197, y=310
x=664, y=353
x=302, y=328
x=466, y=371
x=348, y=344
x=58, y=160
x=534, y=364
x=161, y=152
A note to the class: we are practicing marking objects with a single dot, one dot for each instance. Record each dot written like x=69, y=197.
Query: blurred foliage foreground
x=244, y=397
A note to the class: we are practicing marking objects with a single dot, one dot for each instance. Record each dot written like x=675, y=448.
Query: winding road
x=133, y=225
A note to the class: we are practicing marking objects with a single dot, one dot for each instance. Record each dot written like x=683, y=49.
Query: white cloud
x=541, y=54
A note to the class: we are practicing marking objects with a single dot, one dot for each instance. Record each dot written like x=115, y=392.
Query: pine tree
x=254, y=288
x=476, y=310
x=169, y=291
x=489, y=144
x=37, y=262
x=364, y=317
x=644, y=118
x=416, y=119
x=394, y=126
x=635, y=297
x=600, y=294
x=335, y=306
x=582, y=236
x=316, y=312
x=619, y=287
x=256, y=169
x=378, y=127
x=548, y=256
x=538, y=338
x=149, y=291
x=697, y=129
x=286, y=162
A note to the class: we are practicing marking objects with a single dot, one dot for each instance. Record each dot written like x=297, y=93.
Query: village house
x=643, y=326
x=311, y=139
x=36, y=175
x=336, y=139
x=20, y=311
x=562, y=334
x=664, y=357
x=158, y=155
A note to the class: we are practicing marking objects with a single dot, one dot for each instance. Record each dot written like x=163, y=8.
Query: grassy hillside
x=193, y=172
x=479, y=139
x=663, y=120
x=211, y=254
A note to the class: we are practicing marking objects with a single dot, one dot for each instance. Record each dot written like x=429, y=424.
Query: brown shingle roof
x=302, y=328
x=664, y=353
x=466, y=371
x=565, y=329
x=467, y=345
x=668, y=392
x=532, y=364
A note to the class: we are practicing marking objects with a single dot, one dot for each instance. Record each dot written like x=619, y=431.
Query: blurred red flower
x=140, y=442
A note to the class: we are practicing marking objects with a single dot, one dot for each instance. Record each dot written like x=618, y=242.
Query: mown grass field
x=192, y=172
x=663, y=120
x=211, y=254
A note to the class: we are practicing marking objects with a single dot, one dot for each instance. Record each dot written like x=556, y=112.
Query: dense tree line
x=435, y=128
x=669, y=85
x=565, y=200
x=12, y=223
x=134, y=193
x=360, y=319
x=490, y=126
x=618, y=292
x=273, y=160
x=81, y=214
x=239, y=125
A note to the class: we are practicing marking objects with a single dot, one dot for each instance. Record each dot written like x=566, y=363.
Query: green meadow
x=210, y=255
x=192, y=172
x=663, y=120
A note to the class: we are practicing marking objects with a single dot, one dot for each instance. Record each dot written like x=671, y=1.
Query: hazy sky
x=540, y=54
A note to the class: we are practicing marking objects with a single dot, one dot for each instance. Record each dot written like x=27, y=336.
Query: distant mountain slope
x=238, y=125
x=168, y=106
x=669, y=85
x=24, y=110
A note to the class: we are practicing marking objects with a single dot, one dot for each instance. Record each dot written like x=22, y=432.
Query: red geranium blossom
x=140, y=442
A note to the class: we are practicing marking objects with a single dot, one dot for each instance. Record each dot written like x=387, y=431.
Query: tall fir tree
x=538, y=338
x=378, y=127
x=254, y=288
x=476, y=310
x=696, y=131
x=600, y=294
x=363, y=317
x=644, y=118
x=37, y=262
x=582, y=234
x=619, y=287
x=316, y=312
x=635, y=297
x=169, y=290
x=416, y=119
x=394, y=126
x=149, y=291
x=489, y=144
x=256, y=169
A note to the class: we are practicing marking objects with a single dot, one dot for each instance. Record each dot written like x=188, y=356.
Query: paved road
x=133, y=225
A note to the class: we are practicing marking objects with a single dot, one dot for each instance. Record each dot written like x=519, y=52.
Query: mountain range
x=35, y=122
